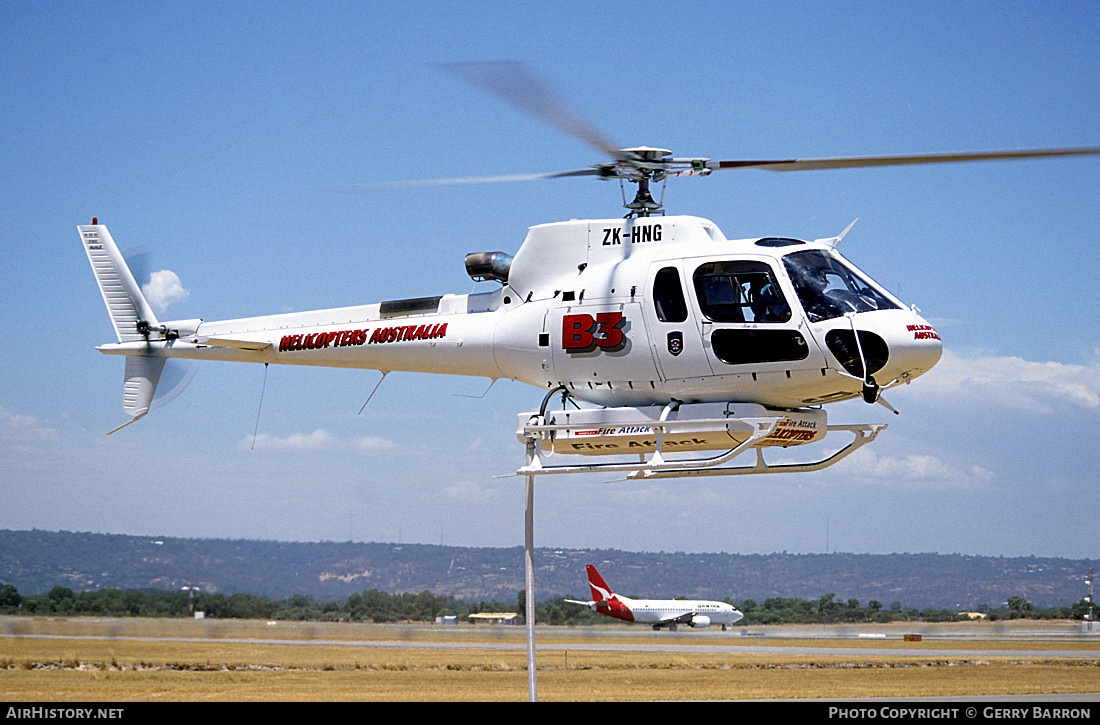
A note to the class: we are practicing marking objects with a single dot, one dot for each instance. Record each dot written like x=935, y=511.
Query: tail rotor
x=133, y=319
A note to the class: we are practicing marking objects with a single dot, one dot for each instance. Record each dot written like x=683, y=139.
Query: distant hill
x=36, y=561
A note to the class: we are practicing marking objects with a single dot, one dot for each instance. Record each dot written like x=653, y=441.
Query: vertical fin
x=130, y=314
x=600, y=590
x=141, y=375
x=126, y=305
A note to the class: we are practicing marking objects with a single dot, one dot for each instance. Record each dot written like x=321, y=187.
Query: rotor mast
x=644, y=164
x=644, y=205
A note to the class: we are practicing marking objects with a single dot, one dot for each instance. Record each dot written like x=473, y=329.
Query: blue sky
x=208, y=134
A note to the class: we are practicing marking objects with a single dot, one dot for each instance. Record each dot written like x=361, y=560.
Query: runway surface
x=858, y=654
x=985, y=640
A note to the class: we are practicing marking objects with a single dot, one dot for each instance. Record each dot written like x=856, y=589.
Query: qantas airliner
x=658, y=612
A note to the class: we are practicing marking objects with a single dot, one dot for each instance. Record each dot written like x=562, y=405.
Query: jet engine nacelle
x=700, y=620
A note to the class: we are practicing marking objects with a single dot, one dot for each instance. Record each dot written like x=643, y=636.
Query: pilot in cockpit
x=768, y=303
x=811, y=284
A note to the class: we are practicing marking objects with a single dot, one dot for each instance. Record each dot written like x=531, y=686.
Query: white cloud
x=372, y=443
x=22, y=435
x=468, y=491
x=318, y=440
x=1013, y=382
x=920, y=469
x=17, y=425
x=164, y=289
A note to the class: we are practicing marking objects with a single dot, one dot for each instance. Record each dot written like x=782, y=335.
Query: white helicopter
x=663, y=335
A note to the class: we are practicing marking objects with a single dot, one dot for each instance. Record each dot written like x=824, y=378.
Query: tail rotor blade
x=174, y=379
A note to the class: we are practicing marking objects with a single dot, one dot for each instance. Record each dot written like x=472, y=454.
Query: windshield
x=828, y=288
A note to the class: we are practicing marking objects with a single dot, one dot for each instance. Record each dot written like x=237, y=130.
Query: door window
x=741, y=291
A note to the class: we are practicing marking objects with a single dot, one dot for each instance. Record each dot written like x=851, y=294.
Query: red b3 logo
x=583, y=333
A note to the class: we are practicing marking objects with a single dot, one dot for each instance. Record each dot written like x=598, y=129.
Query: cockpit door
x=748, y=323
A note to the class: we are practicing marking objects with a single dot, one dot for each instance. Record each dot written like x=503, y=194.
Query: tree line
x=376, y=606
x=829, y=610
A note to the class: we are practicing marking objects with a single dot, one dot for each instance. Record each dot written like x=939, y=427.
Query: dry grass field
x=147, y=660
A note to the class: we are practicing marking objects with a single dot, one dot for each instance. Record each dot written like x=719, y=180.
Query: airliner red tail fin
x=600, y=589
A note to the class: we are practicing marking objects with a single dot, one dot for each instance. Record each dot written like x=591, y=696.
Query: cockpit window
x=828, y=288
x=740, y=292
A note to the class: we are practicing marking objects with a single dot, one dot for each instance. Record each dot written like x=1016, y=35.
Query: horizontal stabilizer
x=231, y=342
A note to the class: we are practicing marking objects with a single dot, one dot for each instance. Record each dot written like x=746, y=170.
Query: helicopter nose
x=892, y=345
x=914, y=345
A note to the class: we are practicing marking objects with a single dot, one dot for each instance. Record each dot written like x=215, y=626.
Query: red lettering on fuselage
x=583, y=333
x=792, y=435
x=345, y=338
x=923, y=332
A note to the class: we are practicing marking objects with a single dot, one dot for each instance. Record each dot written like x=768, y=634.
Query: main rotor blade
x=370, y=186
x=516, y=84
x=861, y=161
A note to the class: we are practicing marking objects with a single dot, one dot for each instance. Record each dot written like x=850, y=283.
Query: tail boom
x=450, y=334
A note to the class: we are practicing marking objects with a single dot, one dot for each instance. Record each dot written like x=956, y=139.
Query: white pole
x=529, y=575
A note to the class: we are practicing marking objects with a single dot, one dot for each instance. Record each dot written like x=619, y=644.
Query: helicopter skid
x=863, y=434
x=733, y=429
x=684, y=427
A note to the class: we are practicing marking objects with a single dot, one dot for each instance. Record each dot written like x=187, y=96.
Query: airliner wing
x=684, y=618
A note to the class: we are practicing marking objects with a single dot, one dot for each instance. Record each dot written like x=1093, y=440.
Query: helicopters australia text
x=364, y=336
x=923, y=332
